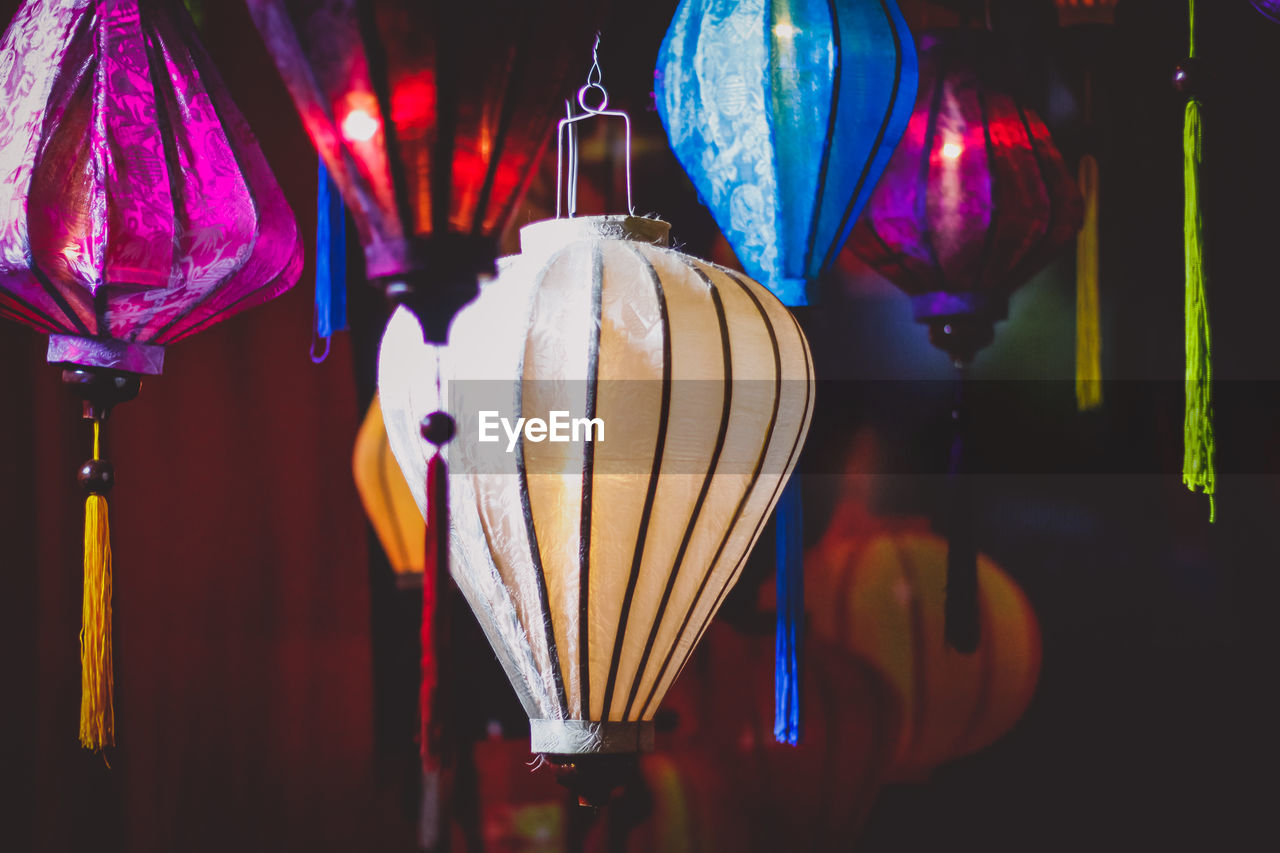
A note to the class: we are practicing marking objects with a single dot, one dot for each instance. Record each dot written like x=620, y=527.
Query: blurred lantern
x=974, y=202
x=880, y=595
x=594, y=564
x=812, y=797
x=388, y=500
x=138, y=210
x=430, y=117
x=1073, y=13
x=720, y=781
x=784, y=114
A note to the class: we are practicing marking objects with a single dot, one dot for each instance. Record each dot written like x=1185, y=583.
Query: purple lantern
x=135, y=209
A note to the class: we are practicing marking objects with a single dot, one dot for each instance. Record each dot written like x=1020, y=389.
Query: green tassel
x=1198, y=444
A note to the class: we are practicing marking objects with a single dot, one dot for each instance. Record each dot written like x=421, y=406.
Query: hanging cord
x=961, y=623
x=1198, y=468
x=439, y=734
x=97, y=711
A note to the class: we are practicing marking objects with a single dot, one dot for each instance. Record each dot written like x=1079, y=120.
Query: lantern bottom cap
x=587, y=737
x=108, y=353
x=928, y=307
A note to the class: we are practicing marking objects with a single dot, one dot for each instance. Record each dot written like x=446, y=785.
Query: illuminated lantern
x=595, y=565
x=784, y=114
x=879, y=593
x=975, y=201
x=388, y=500
x=430, y=117
x=135, y=209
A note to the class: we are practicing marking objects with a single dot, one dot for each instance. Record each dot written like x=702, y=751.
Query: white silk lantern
x=664, y=403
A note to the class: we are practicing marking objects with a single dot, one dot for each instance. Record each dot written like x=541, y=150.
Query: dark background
x=265, y=662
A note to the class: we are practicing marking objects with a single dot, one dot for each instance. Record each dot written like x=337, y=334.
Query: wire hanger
x=568, y=128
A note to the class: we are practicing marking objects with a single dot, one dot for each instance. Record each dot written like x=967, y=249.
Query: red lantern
x=975, y=201
x=431, y=117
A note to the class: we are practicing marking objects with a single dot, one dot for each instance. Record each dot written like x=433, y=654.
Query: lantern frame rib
x=712, y=463
x=792, y=459
x=660, y=443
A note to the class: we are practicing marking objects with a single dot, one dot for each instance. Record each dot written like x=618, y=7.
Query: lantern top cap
x=545, y=238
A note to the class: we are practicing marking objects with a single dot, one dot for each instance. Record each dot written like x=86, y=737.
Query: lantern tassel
x=960, y=621
x=435, y=820
x=790, y=613
x=1198, y=470
x=434, y=591
x=331, y=264
x=97, y=712
x=1088, y=308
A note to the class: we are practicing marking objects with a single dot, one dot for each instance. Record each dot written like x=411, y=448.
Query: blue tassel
x=790, y=527
x=331, y=264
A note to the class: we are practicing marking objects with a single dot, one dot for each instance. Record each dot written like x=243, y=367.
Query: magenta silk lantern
x=135, y=209
x=135, y=205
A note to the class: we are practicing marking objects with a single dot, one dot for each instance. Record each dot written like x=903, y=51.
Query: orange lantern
x=387, y=500
x=878, y=590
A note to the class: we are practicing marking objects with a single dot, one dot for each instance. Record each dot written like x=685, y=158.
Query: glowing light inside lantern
x=360, y=126
x=786, y=31
x=952, y=150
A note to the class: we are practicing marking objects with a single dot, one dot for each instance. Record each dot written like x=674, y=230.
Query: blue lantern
x=784, y=113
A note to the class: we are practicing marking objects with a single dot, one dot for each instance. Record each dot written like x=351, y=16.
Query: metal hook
x=567, y=127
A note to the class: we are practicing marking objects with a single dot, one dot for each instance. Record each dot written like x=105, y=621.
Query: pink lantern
x=135, y=209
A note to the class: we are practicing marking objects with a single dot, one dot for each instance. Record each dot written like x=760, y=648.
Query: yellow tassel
x=1088, y=309
x=97, y=711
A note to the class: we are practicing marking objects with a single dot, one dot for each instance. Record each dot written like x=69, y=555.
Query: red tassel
x=435, y=586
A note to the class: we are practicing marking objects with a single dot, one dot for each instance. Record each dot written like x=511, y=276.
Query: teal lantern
x=784, y=113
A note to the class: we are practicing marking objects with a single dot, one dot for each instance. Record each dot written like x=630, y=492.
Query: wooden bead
x=438, y=428
x=1188, y=77
x=97, y=476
